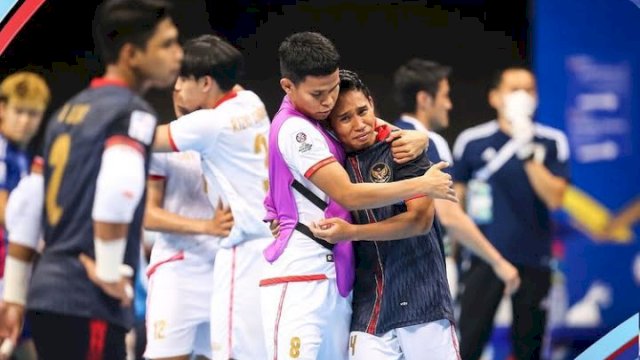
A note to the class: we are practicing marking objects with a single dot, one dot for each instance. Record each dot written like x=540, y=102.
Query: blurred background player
x=511, y=173
x=24, y=97
x=181, y=267
x=422, y=92
x=96, y=149
x=230, y=133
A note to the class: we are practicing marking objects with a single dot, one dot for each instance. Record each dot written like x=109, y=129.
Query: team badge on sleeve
x=380, y=173
x=302, y=139
x=141, y=126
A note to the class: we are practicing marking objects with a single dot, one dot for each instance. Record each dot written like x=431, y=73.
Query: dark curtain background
x=475, y=37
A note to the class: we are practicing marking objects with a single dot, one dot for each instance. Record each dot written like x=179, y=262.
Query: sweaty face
x=159, y=62
x=20, y=122
x=441, y=105
x=353, y=120
x=188, y=95
x=512, y=80
x=316, y=95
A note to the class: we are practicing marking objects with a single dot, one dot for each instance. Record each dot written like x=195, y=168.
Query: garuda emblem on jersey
x=380, y=173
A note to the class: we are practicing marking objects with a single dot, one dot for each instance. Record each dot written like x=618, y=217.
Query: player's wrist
x=17, y=274
x=352, y=232
x=109, y=259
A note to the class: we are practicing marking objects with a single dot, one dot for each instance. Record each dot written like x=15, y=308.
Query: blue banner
x=587, y=62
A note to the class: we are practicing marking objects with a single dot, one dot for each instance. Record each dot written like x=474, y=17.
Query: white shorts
x=306, y=320
x=236, y=323
x=434, y=340
x=178, y=309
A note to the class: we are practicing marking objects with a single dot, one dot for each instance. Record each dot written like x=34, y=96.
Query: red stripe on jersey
x=415, y=197
x=156, y=177
x=97, y=337
x=171, y=142
x=154, y=267
x=230, y=329
x=454, y=339
x=318, y=166
x=292, y=278
x=125, y=140
x=228, y=96
x=379, y=276
x=100, y=82
x=275, y=331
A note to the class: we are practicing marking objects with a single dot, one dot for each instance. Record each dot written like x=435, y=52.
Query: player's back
x=242, y=146
x=74, y=141
x=232, y=140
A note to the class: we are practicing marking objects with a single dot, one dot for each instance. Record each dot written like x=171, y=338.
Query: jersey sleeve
x=303, y=147
x=196, y=131
x=557, y=159
x=462, y=170
x=414, y=168
x=158, y=166
x=135, y=127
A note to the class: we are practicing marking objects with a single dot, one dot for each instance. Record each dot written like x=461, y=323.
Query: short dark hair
x=118, y=22
x=417, y=75
x=210, y=55
x=307, y=54
x=496, y=79
x=350, y=81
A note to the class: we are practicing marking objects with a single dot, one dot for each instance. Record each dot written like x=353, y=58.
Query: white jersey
x=185, y=194
x=305, y=150
x=232, y=141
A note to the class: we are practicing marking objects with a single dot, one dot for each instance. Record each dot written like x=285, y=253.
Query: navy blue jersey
x=438, y=149
x=74, y=142
x=521, y=226
x=14, y=164
x=398, y=283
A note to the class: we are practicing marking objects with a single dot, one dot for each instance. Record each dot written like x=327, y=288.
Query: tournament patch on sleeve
x=305, y=143
x=141, y=126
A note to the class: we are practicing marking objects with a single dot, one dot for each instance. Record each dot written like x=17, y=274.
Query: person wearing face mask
x=511, y=172
x=421, y=90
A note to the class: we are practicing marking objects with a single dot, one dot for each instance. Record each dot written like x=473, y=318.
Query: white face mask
x=519, y=104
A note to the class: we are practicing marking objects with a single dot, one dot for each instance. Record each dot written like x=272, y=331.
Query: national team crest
x=380, y=173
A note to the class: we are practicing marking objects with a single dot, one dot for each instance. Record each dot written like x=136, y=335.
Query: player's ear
x=373, y=107
x=286, y=85
x=423, y=99
x=207, y=83
x=130, y=54
x=495, y=100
